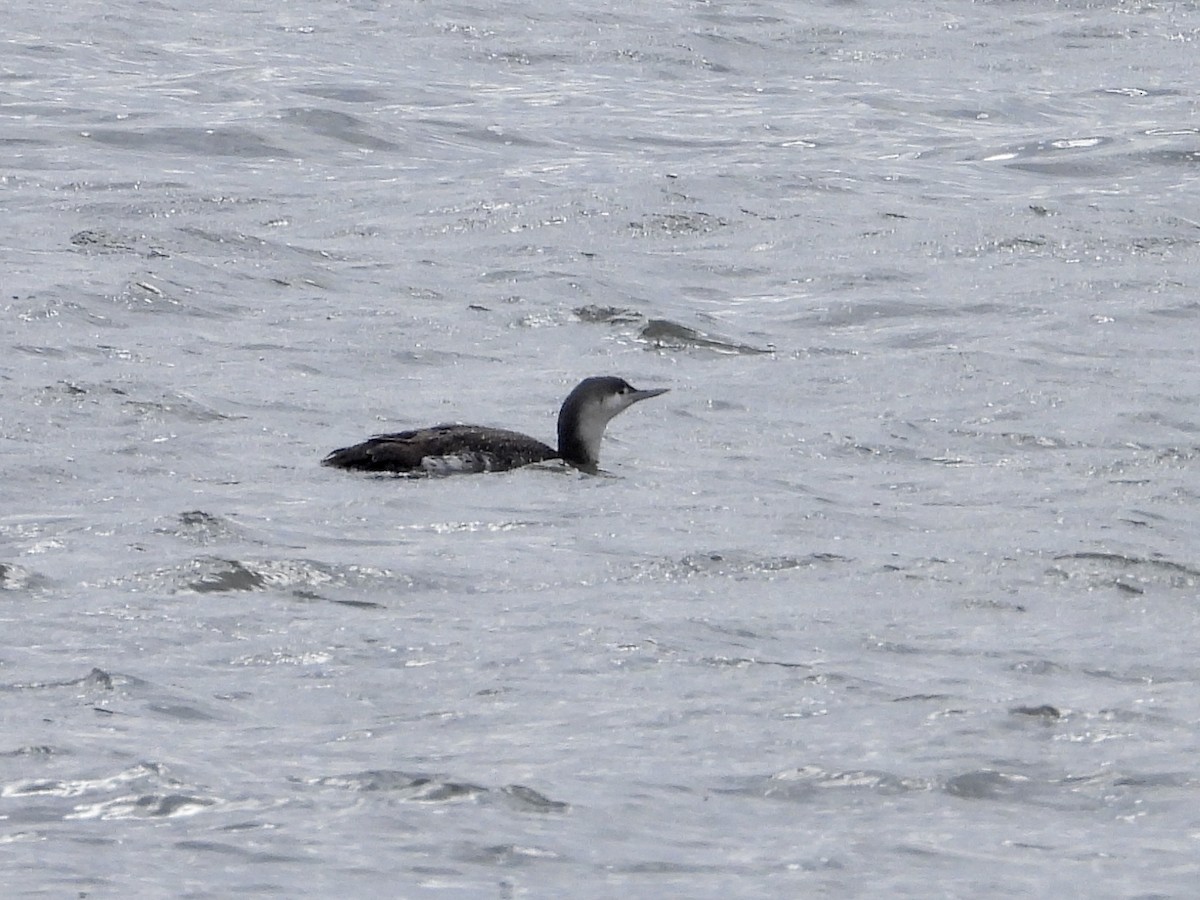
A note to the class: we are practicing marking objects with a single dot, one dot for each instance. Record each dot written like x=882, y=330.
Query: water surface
x=893, y=594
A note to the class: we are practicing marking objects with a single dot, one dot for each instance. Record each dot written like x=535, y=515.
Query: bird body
x=442, y=449
x=454, y=449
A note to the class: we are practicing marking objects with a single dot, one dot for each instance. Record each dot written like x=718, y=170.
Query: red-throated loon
x=451, y=449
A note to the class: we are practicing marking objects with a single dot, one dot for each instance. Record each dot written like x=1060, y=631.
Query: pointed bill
x=646, y=394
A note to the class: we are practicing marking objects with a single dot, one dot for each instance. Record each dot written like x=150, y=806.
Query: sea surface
x=896, y=593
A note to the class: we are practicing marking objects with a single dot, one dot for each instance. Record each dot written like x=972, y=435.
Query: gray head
x=587, y=410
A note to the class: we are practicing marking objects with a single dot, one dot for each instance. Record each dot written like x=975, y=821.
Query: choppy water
x=894, y=594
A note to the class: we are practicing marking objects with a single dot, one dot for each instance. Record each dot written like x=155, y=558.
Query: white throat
x=590, y=427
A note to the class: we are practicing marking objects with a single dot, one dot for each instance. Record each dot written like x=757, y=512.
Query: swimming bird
x=452, y=449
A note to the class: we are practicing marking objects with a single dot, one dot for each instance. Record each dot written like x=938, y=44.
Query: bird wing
x=442, y=449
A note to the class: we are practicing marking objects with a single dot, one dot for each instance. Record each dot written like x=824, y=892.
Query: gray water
x=893, y=594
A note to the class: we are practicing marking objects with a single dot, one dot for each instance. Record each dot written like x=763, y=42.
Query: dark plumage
x=450, y=449
x=434, y=450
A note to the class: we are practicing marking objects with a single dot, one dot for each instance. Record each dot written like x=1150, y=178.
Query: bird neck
x=579, y=439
